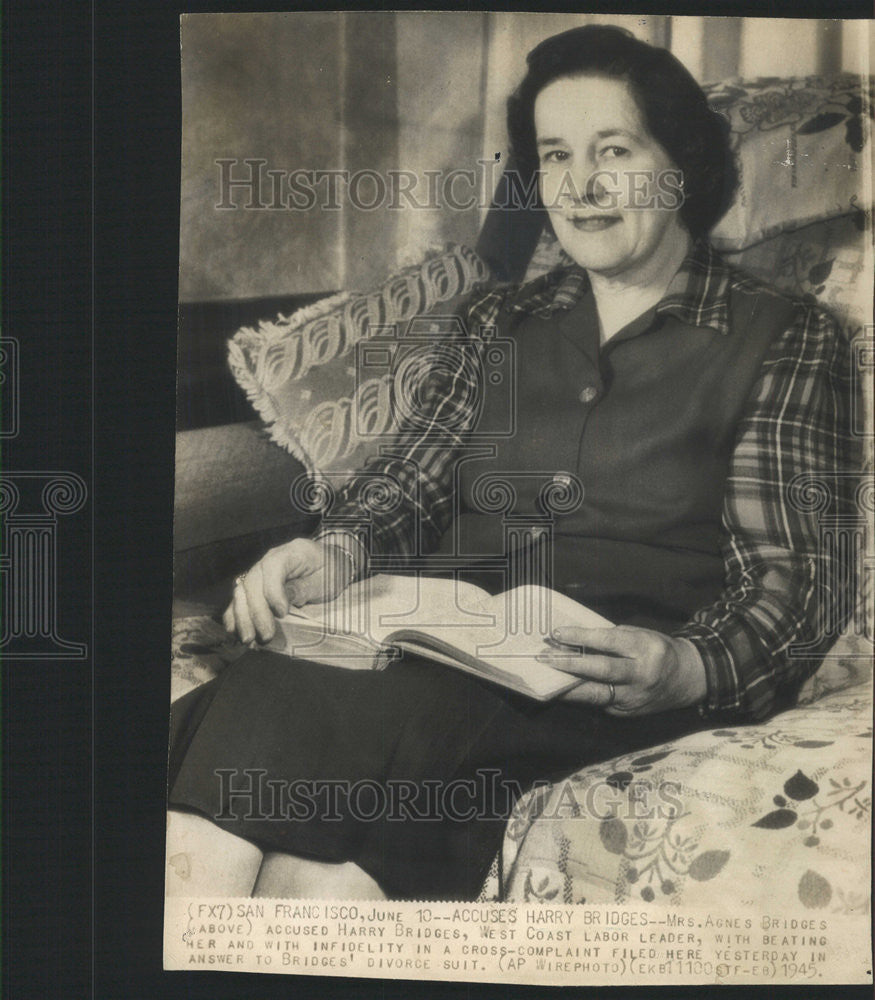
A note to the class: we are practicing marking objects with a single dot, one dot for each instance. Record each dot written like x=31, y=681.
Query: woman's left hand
x=650, y=672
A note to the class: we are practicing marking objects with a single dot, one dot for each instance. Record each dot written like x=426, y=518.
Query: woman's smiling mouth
x=589, y=223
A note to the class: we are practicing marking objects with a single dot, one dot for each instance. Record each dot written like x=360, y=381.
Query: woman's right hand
x=300, y=572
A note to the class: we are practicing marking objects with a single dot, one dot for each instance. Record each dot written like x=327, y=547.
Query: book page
x=523, y=618
x=375, y=608
x=533, y=610
x=448, y=620
x=505, y=648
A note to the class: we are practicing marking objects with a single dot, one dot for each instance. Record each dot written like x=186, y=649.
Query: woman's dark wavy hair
x=673, y=106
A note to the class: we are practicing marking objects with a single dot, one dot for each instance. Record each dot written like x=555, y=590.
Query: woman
x=685, y=397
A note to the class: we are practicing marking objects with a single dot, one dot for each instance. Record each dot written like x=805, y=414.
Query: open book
x=446, y=620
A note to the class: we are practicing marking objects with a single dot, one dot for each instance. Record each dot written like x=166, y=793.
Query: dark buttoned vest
x=646, y=423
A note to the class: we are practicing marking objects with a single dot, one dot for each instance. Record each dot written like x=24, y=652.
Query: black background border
x=91, y=117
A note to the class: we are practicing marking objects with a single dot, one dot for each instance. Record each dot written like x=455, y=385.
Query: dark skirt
x=410, y=772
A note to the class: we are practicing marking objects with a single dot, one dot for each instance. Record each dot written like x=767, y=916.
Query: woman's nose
x=588, y=182
x=595, y=189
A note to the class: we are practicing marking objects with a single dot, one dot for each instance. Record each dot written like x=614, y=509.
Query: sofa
x=772, y=815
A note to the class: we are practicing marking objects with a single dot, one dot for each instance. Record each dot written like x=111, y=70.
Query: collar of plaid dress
x=698, y=294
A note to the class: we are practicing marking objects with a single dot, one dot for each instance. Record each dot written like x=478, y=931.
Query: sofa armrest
x=771, y=817
x=232, y=502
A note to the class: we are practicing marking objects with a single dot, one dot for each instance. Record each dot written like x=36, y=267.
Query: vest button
x=587, y=394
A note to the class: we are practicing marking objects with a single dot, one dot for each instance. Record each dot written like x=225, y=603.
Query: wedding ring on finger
x=612, y=694
x=238, y=580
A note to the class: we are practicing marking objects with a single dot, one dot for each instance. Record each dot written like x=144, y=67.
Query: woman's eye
x=615, y=151
x=554, y=156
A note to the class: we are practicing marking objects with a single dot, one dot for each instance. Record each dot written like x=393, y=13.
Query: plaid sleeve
x=783, y=602
x=403, y=499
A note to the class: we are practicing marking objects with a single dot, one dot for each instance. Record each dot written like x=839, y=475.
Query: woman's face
x=611, y=190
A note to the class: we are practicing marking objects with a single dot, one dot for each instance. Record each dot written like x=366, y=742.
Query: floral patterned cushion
x=803, y=141
x=773, y=816
x=197, y=649
x=825, y=261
